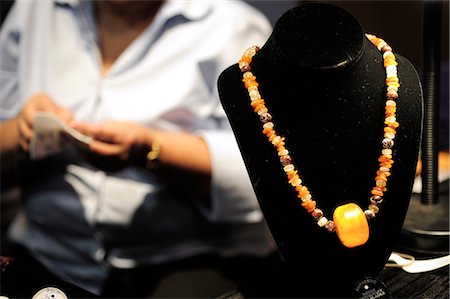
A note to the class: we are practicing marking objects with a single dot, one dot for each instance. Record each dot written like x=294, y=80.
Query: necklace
x=349, y=222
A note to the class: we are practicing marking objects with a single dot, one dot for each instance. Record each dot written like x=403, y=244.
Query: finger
x=25, y=131
x=64, y=113
x=105, y=149
x=27, y=116
x=101, y=132
x=43, y=102
x=24, y=144
x=85, y=128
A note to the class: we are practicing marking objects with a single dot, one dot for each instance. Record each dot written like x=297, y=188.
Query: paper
x=52, y=135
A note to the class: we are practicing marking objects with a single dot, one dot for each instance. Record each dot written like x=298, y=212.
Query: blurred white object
x=409, y=264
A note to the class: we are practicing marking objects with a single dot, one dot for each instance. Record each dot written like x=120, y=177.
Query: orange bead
x=309, y=205
x=250, y=83
x=246, y=59
x=385, y=164
x=303, y=192
x=376, y=192
x=351, y=225
x=292, y=174
x=272, y=137
x=383, y=158
x=391, y=109
x=268, y=131
x=251, y=78
x=393, y=124
x=381, y=177
x=390, y=130
x=281, y=148
x=257, y=107
x=256, y=103
x=279, y=142
x=271, y=134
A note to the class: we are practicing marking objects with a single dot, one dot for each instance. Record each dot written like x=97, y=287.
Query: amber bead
x=303, y=192
x=309, y=205
x=351, y=223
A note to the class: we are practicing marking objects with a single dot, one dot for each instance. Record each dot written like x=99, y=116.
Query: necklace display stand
x=325, y=84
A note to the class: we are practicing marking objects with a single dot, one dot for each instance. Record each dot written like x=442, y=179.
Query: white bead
x=390, y=119
x=268, y=125
x=392, y=88
x=386, y=151
x=390, y=74
x=242, y=64
x=381, y=183
x=247, y=75
x=283, y=152
x=262, y=111
x=276, y=139
x=381, y=44
x=251, y=88
x=391, y=103
x=384, y=169
x=391, y=67
x=288, y=168
x=254, y=95
x=389, y=135
x=250, y=52
x=295, y=181
x=387, y=53
x=306, y=197
x=322, y=221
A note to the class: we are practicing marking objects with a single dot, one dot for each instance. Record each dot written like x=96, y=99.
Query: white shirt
x=79, y=220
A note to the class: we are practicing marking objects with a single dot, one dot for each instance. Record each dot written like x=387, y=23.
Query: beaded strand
x=278, y=141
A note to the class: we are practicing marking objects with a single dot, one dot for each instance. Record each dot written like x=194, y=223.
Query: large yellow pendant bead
x=352, y=227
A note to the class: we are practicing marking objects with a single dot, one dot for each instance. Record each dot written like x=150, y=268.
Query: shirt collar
x=68, y=2
x=190, y=9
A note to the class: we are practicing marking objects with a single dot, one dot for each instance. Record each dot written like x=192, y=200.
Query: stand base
x=426, y=228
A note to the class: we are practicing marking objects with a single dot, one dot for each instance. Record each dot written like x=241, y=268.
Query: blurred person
x=138, y=77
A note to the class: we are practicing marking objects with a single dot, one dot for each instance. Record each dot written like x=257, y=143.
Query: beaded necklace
x=349, y=220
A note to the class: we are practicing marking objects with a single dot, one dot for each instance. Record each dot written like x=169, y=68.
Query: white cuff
x=232, y=195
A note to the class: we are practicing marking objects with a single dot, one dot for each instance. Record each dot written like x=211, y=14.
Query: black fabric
x=400, y=284
x=203, y=276
x=331, y=112
x=24, y=276
x=434, y=284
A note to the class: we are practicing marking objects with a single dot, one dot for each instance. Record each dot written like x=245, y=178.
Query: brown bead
x=317, y=213
x=387, y=143
x=330, y=226
x=376, y=199
x=386, y=48
x=369, y=214
x=285, y=160
x=265, y=117
x=392, y=95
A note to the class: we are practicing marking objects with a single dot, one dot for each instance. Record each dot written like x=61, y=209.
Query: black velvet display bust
x=324, y=84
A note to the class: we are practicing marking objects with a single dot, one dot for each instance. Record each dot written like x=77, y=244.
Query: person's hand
x=117, y=142
x=38, y=102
